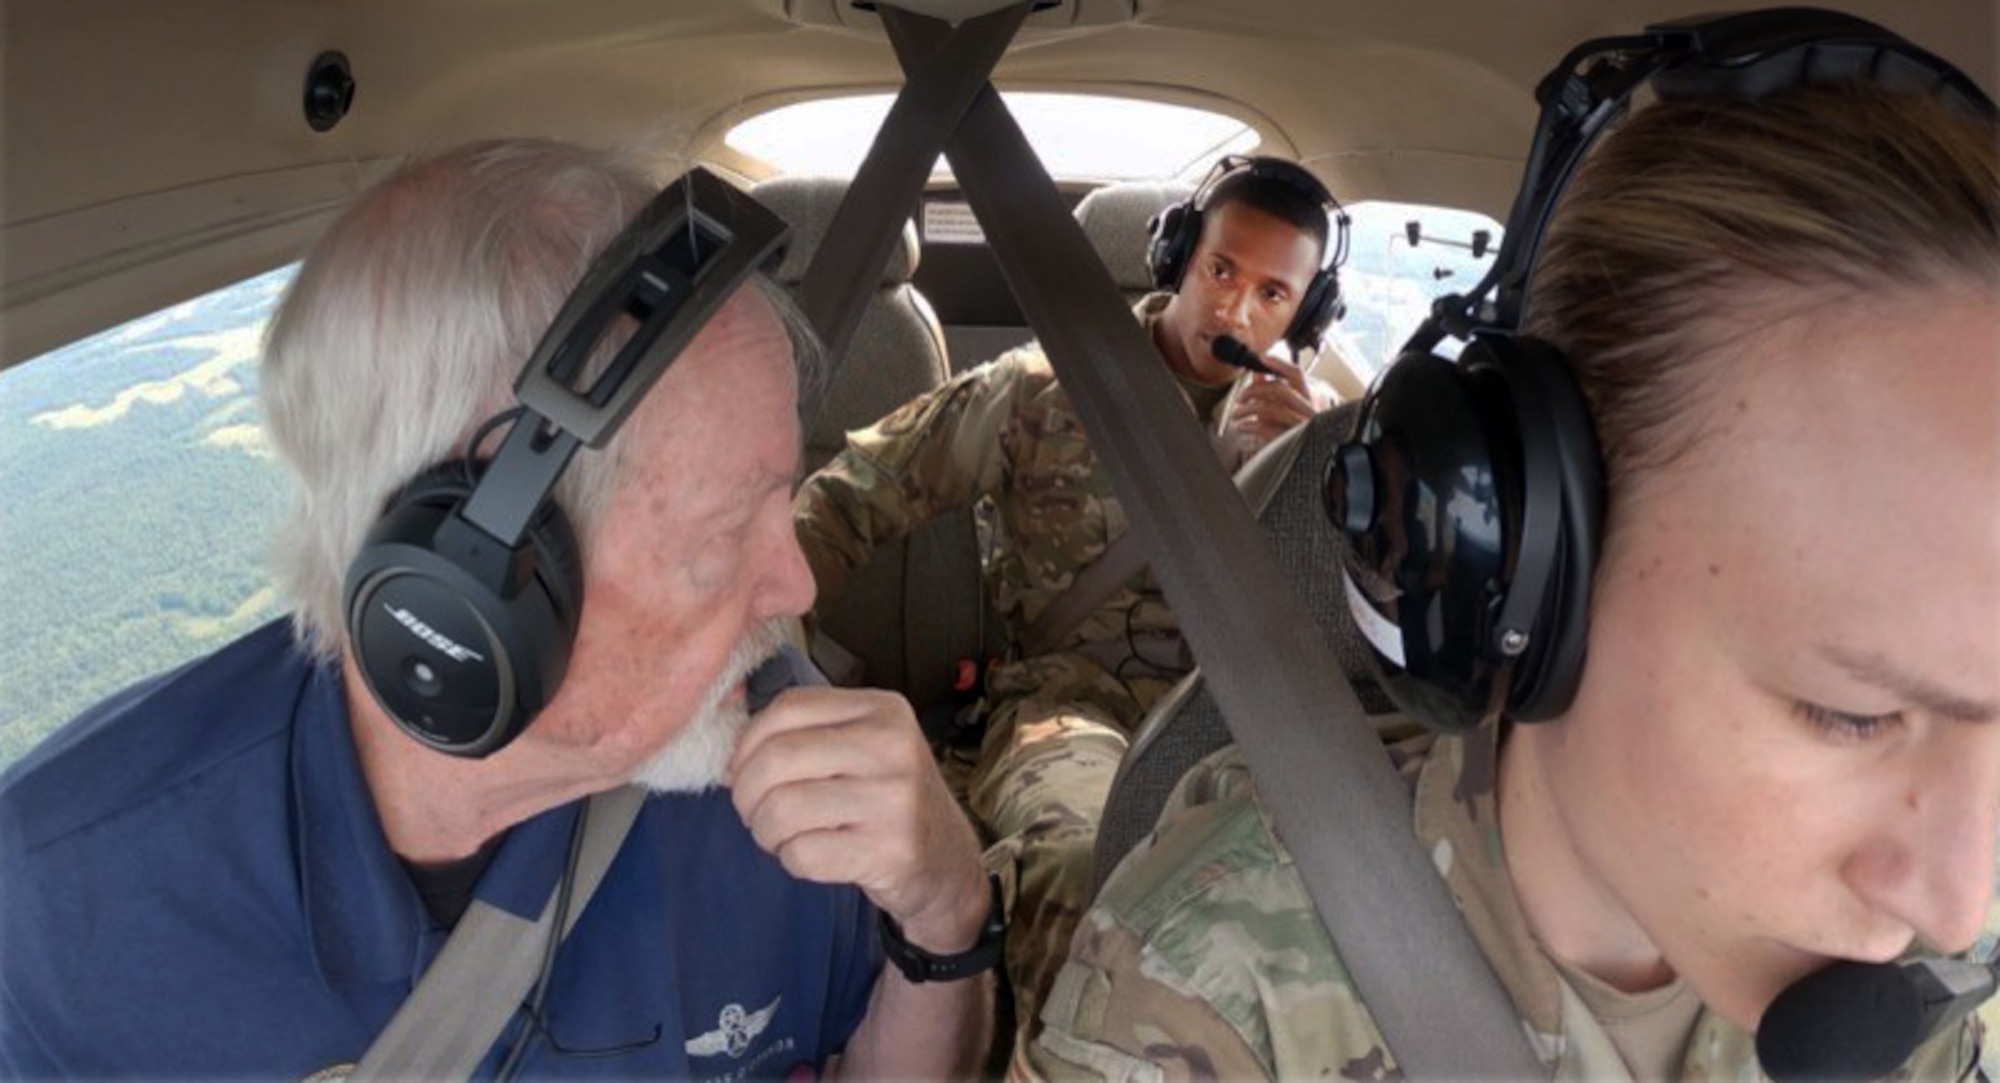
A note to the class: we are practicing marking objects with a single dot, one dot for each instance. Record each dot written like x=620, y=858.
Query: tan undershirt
x=1650, y=1029
x=1204, y=397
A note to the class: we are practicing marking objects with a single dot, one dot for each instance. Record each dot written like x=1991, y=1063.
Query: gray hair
x=405, y=330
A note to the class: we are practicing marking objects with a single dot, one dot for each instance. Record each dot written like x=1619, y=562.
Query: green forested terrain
x=136, y=507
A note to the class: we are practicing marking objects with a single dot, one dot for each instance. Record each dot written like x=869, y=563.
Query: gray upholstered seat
x=1114, y=217
x=1187, y=726
x=898, y=350
x=914, y=608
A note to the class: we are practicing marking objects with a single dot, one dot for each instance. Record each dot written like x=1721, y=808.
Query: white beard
x=696, y=759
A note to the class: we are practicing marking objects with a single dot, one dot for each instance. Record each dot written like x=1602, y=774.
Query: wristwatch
x=922, y=966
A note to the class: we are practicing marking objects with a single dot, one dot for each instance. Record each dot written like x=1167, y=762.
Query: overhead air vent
x=329, y=90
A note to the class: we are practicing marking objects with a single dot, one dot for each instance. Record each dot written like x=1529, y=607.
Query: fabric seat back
x=1187, y=726
x=915, y=607
x=1114, y=218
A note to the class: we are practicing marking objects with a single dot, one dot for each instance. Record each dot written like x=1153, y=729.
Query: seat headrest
x=807, y=205
x=1114, y=217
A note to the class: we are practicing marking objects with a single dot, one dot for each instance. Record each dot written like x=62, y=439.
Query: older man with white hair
x=243, y=866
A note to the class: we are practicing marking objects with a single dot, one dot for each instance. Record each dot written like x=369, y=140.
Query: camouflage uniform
x=1204, y=959
x=1057, y=724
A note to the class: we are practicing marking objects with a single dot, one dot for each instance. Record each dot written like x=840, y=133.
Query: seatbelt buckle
x=968, y=697
x=965, y=678
x=959, y=721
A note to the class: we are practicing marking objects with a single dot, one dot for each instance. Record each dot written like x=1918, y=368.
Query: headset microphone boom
x=1863, y=1020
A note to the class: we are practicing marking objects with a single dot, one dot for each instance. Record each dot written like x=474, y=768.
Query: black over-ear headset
x=1472, y=491
x=1175, y=232
x=462, y=604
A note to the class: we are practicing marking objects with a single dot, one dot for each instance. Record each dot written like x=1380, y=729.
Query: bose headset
x=1472, y=492
x=463, y=601
x=1174, y=233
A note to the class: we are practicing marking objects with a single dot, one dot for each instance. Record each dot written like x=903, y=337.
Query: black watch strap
x=922, y=966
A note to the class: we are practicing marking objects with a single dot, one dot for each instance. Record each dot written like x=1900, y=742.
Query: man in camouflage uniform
x=1057, y=722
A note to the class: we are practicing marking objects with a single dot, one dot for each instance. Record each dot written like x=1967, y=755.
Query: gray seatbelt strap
x=481, y=975
x=1125, y=557
x=890, y=181
x=1094, y=585
x=1339, y=807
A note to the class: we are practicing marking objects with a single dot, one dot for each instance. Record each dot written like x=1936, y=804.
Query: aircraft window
x=139, y=497
x=1394, y=271
x=1077, y=136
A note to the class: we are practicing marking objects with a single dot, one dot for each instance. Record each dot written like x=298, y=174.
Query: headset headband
x=671, y=269
x=1333, y=252
x=1741, y=56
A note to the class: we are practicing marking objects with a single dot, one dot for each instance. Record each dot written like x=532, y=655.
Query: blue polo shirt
x=194, y=885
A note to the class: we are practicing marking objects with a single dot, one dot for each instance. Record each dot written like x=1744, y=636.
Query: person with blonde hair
x=1774, y=743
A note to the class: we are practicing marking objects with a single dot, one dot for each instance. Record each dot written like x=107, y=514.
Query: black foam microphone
x=1231, y=352
x=1855, y=1021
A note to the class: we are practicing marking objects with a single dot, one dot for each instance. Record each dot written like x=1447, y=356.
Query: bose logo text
x=432, y=636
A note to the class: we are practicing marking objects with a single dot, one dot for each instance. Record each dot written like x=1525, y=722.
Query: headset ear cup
x=1431, y=460
x=460, y=639
x=1470, y=565
x=1551, y=409
x=1175, y=232
x=1318, y=309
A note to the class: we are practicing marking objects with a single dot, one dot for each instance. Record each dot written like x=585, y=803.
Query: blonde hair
x=1674, y=229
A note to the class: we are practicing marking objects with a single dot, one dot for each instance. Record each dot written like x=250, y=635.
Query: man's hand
x=1264, y=408
x=839, y=785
